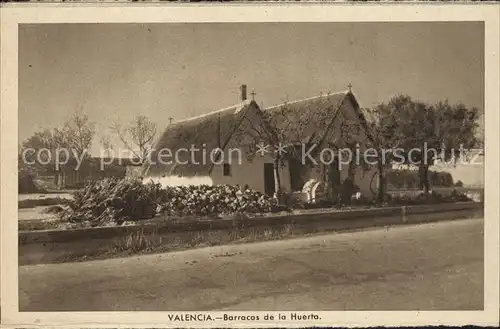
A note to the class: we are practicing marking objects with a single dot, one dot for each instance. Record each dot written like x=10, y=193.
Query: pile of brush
x=129, y=199
x=205, y=200
x=114, y=200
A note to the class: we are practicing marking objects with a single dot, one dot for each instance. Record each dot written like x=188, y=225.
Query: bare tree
x=76, y=134
x=138, y=137
x=107, y=146
x=75, y=137
x=70, y=143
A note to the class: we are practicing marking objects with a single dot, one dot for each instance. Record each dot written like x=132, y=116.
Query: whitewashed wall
x=249, y=172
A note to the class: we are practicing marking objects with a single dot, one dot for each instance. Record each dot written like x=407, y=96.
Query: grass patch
x=136, y=242
x=140, y=242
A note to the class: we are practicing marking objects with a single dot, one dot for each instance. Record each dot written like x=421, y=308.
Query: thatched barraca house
x=232, y=133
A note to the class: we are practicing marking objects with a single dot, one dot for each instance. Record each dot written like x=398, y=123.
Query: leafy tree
x=382, y=140
x=27, y=155
x=480, y=132
x=138, y=137
x=426, y=133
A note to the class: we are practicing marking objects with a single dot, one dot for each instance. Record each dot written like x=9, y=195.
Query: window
x=227, y=169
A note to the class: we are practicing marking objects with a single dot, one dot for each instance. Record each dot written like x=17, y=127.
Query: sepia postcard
x=250, y=165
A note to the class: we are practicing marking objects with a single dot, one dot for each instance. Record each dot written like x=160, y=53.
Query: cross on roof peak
x=253, y=94
x=170, y=119
x=349, y=86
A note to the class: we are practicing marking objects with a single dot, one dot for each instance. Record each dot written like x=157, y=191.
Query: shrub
x=361, y=201
x=219, y=199
x=114, y=199
x=27, y=184
x=410, y=178
x=128, y=199
x=431, y=198
x=457, y=196
x=290, y=201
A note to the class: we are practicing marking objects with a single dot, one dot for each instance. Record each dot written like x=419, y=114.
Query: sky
x=113, y=72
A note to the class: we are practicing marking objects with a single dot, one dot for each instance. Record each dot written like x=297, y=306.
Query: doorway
x=296, y=180
x=334, y=174
x=269, y=187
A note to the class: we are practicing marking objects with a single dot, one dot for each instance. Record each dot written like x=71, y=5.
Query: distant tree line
x=411, y=179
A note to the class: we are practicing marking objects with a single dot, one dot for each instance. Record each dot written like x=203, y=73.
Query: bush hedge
x=410, y=178
x=129, y=199
x=421, y=198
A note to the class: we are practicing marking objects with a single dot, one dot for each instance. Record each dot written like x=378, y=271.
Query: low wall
x=50, y=245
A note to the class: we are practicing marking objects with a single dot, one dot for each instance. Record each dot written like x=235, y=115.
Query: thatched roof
x=369, y=120
x=303, y=120
x=306, y=120
x=314, y=114
x=209, y=132
x=369, y=115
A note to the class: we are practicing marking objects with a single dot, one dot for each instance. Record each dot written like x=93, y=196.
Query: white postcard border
x=12, y=15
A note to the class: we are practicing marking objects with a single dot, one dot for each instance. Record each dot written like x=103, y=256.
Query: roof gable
x=315, y=120
x=306, y=120
x=205, y=134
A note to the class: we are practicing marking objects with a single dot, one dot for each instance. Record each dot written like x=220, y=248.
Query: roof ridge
x=201, y=116
x=306, y=99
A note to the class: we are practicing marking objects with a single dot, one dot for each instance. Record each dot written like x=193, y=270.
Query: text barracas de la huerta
x=228, y=317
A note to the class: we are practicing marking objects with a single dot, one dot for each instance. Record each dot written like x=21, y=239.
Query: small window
x=227, y=169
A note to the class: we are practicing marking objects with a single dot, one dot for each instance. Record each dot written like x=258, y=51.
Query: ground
x=435, y=266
